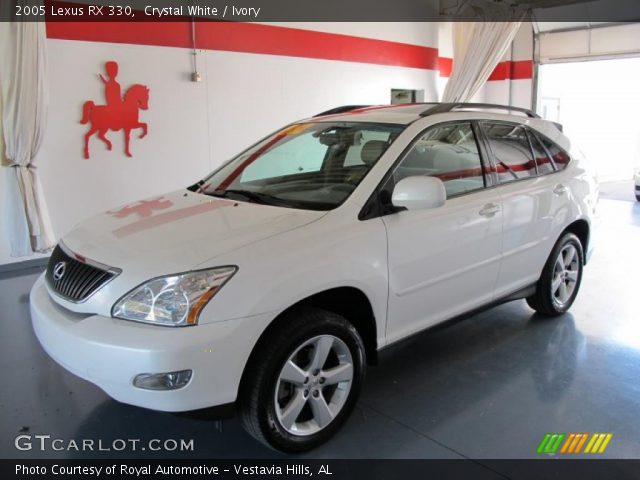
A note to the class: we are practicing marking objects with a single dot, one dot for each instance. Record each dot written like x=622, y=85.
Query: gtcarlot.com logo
x=48, y=443
x=574, y=443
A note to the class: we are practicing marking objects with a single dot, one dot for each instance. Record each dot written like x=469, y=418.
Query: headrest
x=372, y=151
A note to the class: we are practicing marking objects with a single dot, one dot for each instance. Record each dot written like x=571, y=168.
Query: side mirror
x=415, y=193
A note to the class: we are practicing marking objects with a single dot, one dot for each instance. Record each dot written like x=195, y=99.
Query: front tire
x=302, y=381
x=561, y=276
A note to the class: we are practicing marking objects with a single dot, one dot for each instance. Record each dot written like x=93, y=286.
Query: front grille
x=73, y=279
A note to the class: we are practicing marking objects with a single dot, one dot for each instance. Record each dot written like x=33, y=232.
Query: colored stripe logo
x=574, y=443
x=598, y=443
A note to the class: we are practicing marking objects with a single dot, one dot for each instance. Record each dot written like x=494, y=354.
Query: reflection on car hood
x=179, y=231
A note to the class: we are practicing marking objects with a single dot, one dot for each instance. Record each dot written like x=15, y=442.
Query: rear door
x=531, y=199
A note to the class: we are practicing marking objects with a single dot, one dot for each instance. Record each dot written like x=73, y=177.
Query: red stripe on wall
x=520, y=70
x=445, y=65
x=513, y=71
x=251, y=38
x=267, y=39
x=273, y=40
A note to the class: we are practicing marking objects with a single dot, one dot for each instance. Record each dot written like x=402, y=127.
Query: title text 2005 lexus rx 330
x=269, y=285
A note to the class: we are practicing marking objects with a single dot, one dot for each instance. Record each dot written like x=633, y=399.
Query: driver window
x=448, y=152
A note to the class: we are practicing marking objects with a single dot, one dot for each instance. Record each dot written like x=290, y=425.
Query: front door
x=443, y=261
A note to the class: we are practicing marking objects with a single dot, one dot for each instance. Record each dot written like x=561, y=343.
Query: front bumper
x=110, y=352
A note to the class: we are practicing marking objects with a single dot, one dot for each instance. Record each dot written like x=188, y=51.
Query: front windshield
x=306, y=165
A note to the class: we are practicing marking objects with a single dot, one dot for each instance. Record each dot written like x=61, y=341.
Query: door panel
x=527, y=184
x=528, y=218
x=442, y=262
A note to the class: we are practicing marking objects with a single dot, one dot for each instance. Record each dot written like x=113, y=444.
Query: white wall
x=193, y=127
x=278, y=90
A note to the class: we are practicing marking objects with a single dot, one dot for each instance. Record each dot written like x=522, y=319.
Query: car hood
x=179, y=231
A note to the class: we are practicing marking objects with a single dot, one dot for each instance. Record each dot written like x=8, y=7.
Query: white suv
x=269, y=285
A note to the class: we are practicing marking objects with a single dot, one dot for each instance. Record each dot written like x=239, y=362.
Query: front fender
x=283, y=270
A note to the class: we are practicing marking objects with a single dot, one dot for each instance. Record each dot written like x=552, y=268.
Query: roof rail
x=448, y=107
x=342, y=109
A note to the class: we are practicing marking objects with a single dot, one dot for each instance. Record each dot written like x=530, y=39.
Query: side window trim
x=373, y=208
x=486, y=158
x=540, y=136
x=531, y=150
x=548, y=152
x=493, y=157
x=531, y=136
x=417, y=138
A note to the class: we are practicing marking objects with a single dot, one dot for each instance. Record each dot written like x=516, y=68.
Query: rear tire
x=638, y=198
x=559, y=283
x=302, y=381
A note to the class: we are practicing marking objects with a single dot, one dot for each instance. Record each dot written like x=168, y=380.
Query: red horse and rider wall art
x=120, y=113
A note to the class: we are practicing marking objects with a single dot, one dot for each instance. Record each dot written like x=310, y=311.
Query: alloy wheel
x=565, y=275
x=313, y=385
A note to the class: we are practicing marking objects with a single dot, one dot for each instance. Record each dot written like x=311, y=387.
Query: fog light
x=162, y=381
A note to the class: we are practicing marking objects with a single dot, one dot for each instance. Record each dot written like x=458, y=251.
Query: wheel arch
x=580, y=228
x=349, y=302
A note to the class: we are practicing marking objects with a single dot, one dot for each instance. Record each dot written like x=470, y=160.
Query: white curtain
x=23, y=96
x=477, y=48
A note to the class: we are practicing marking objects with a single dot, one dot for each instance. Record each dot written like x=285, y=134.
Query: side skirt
x=517, y=295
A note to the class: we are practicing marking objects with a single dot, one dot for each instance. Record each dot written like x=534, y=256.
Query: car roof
x=404, y=114
x=400, y=114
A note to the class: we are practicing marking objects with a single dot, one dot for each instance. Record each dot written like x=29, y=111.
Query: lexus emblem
x=58, y=270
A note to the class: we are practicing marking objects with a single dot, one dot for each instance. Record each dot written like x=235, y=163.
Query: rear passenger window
x=559, y=156
x=543, y=162
x=511, y=151
x=448, y=152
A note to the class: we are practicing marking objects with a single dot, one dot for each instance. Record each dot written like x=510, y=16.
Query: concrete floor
x=488, y=387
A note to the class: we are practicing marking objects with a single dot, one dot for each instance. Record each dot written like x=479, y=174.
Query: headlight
x=174, y=300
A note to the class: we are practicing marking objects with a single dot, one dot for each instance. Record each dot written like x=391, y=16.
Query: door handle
x=489, y=210
x=560, y=189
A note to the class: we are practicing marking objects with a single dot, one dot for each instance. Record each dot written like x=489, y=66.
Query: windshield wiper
x=256, y=197
x=266, y=199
